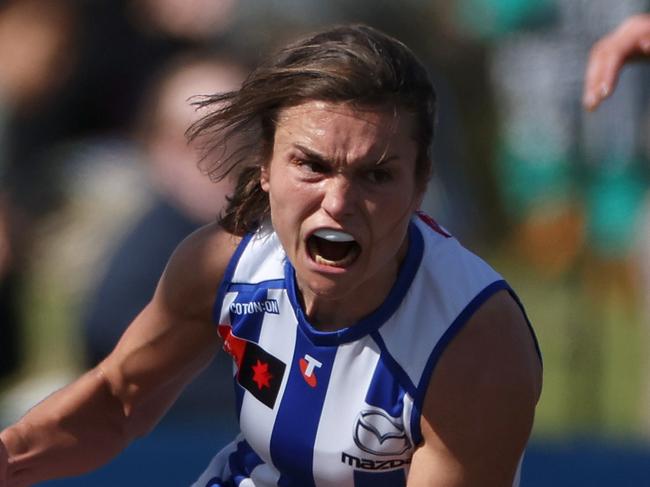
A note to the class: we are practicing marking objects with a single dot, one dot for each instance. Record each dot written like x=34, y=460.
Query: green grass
x=594, y=349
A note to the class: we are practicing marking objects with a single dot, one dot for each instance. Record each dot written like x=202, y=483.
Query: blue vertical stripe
x=385, y=391
x=296, y=425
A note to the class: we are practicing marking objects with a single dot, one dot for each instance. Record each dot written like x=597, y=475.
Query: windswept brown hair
x=353, y=64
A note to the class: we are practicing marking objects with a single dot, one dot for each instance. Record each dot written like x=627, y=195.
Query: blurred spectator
x=184, y=198
x=36, y=37
x=199, y=20
x=71, y=75
x=129, y=202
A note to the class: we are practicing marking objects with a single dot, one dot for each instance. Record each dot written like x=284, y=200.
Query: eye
x=311, y=166
x=379, y=175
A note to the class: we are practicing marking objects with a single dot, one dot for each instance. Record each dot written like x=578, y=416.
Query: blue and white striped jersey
x=342, y=408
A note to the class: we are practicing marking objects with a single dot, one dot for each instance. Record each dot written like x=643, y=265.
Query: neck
x=334, y=314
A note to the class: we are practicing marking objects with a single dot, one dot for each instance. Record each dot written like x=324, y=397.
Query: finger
x=594, y=90
x=601, y=76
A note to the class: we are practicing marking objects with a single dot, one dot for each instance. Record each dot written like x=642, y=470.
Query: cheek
x=286, y=202
x=293, y=195
x=391, y=217
x=396, y=206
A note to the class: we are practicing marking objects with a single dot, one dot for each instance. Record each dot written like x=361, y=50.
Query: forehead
x=344, y=131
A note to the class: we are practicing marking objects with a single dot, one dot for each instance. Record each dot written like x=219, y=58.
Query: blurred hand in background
x=629, y=40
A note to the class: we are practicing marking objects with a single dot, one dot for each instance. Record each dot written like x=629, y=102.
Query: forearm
x=73, y=431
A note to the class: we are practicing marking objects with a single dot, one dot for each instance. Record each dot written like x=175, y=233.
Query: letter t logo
x=307, y=366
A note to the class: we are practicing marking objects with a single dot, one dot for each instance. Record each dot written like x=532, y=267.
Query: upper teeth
x=334, y=235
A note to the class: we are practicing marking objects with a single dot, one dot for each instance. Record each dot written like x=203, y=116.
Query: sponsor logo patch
x=252, y=307
x=378, y=433
x=369, y=464
x=259, y=372
x=308, y=364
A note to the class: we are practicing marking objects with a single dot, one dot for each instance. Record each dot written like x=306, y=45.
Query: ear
x=264, y=178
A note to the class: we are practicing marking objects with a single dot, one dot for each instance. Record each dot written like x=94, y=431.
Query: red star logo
x=261, y=375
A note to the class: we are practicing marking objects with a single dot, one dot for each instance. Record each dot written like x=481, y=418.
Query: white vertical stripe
x=224, y=315
x=352, y=372
x=279, y=330
x=262, y=260
x=278, y=334
x=413, y=331
x=406, y=417
x=448, y=279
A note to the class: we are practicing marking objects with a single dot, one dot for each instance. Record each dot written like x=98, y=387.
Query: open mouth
x=333, y=248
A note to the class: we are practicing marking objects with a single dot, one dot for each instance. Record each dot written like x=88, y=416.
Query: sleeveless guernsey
x=342, y=408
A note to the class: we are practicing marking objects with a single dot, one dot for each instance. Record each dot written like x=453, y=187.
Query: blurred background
x=97, y=186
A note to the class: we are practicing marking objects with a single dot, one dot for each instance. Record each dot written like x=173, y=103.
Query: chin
x=328, y=287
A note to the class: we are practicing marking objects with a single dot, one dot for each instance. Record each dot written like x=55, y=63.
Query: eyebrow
x=312, y=154
x=318, y=157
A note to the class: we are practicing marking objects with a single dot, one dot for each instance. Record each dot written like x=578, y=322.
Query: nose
x=339, y=196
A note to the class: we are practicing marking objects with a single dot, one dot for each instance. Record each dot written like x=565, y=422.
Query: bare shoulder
x=480, y=404
x=196, y=268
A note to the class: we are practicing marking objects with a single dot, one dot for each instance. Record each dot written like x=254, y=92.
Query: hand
x=609, y=55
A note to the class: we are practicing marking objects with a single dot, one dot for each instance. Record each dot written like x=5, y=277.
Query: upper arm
x=479, y=407
x=173, y=337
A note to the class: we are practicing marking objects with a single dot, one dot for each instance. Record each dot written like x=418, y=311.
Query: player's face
x=342, y=188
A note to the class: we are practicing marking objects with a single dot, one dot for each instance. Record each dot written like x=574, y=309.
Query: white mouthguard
x=333, y=235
